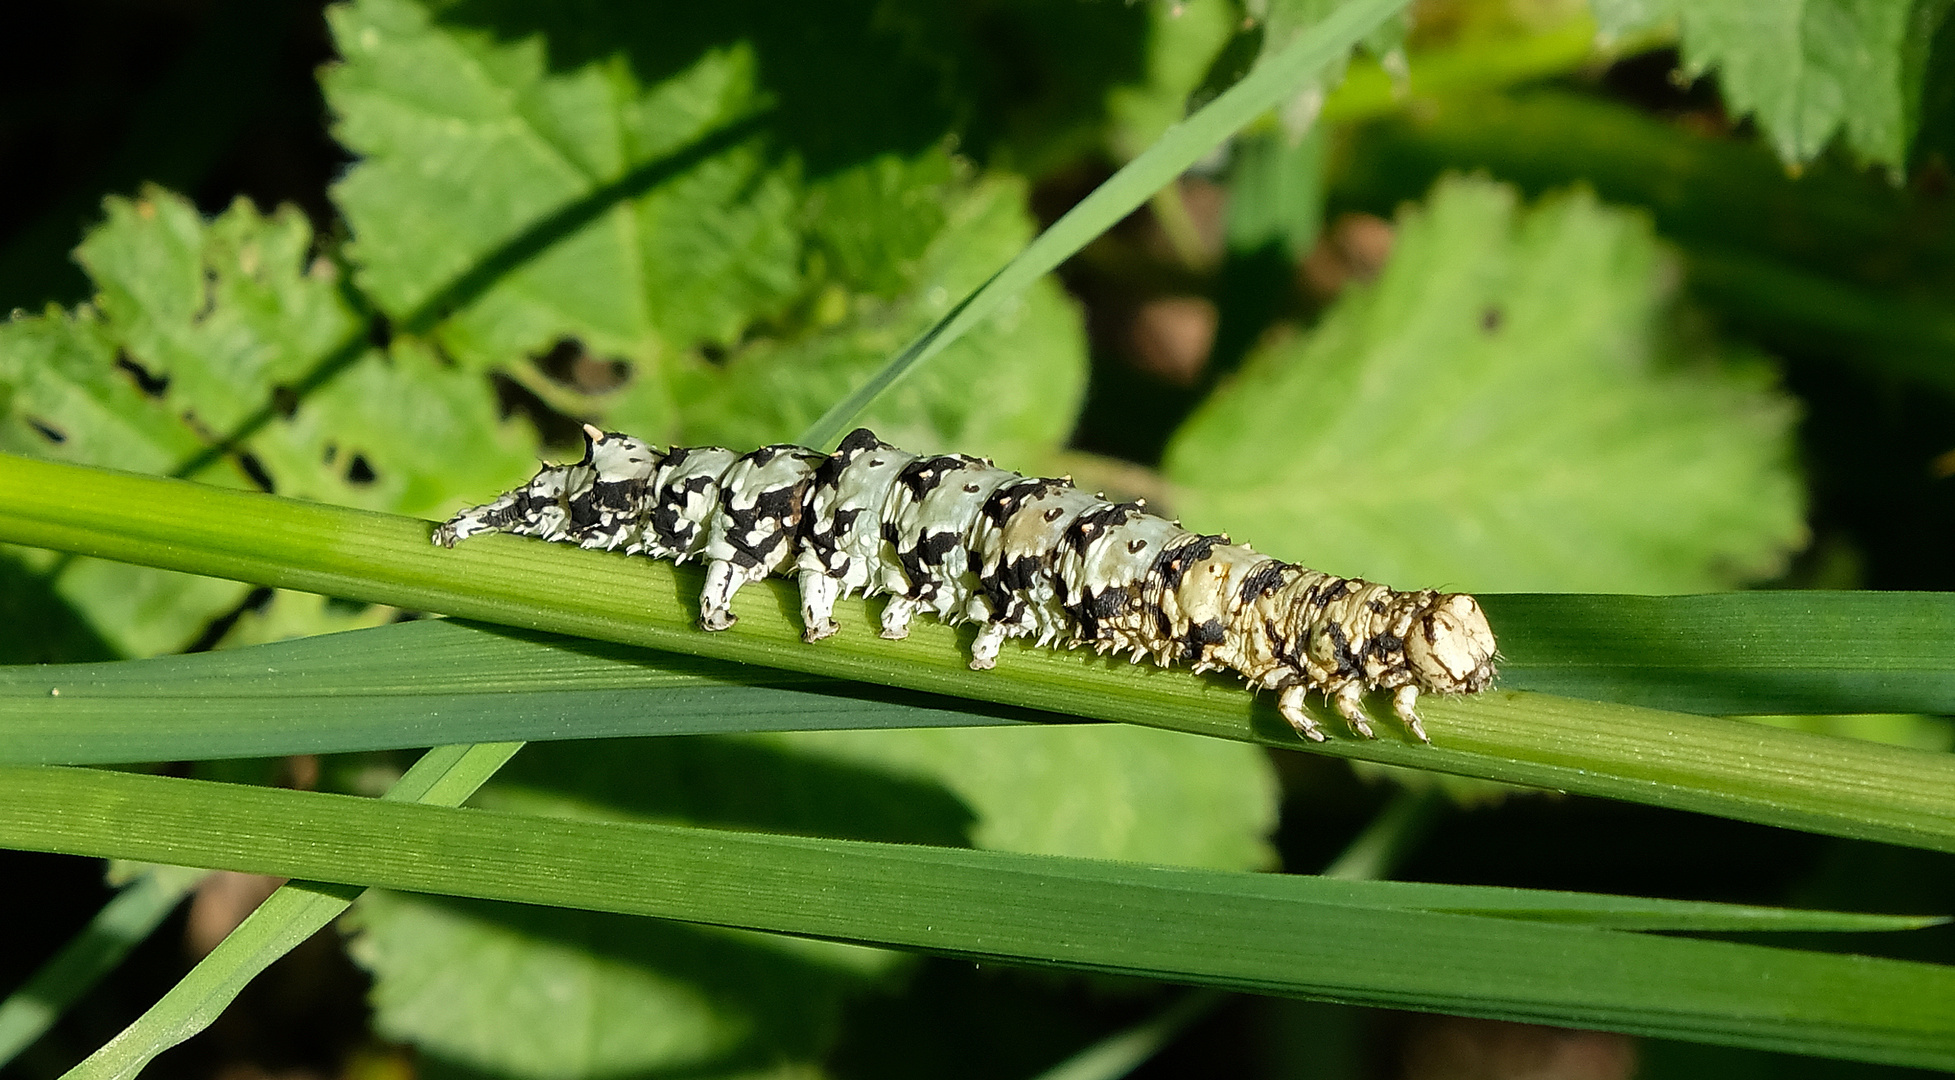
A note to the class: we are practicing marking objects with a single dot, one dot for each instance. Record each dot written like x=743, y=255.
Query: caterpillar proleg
x=1020, y=556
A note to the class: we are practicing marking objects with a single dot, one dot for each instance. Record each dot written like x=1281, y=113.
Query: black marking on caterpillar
x=1020, y=556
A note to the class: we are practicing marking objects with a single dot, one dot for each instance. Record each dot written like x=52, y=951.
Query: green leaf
x=223, y=311
x=235, y=312
x=595, y=995
x=1089, y=791
x=1806, y=69
x=1182, y=42
x=1264, y=933
x=539, y=994
x=1012, y=392
x=670, y=190
x=250, y=344
x=66, y=399
x=1671, y=759
x=1922, y=732
x=1810, y=265
x=1095, y=791
x=288, y=615
x=1492, y=414
x=1177, y=149
x=426, y=104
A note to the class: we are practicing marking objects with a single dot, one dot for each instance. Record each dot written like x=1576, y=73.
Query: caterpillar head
x=1450, y=647
x=618, y=457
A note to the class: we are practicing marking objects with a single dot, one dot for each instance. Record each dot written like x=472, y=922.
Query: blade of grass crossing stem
x=444, y=776
x=1271, y=83
x=1234, y=931
x=124, y=922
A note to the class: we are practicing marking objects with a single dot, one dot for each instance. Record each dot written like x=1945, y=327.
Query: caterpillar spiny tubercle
x=1020, y=556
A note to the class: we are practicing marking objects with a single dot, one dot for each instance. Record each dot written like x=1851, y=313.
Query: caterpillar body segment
x=1023, y=557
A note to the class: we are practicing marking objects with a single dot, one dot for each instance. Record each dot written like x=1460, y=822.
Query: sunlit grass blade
x=426, y=683
x=1270, y=83
x=444, y=776
x=1735, y=653
x=124, y=922
x=1738, y=770
x=1261, y=933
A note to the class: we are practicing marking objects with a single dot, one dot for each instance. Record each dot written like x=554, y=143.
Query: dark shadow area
x=857, y=78
x=215, y=99
x=954, y=1019
x=1880, y=473
x=38, y=627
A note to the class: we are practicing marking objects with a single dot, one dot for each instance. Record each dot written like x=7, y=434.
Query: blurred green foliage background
x=1640, y=298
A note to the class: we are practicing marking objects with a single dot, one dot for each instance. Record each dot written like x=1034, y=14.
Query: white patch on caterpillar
x=1023, y=557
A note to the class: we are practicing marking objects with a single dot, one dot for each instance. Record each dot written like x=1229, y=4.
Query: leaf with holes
x=227, y=351
x=751, y=208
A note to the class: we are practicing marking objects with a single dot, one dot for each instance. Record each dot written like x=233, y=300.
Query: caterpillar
x=1020, y=556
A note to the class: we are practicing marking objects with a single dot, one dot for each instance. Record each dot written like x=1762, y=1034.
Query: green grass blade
x=1272, y=82
x=425, y=683
x=282, y=923
x=1738, y=770
x=124, y=922
x=1735, y=654
x=435, y=682
x=1261, y=933
x=444, y=776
